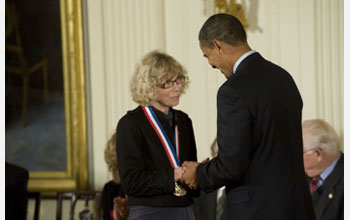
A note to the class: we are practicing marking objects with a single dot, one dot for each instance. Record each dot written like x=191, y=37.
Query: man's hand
x=120, y=208
x=190, y=177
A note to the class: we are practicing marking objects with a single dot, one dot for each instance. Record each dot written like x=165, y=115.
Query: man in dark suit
x=258, y=128
x=324, y=165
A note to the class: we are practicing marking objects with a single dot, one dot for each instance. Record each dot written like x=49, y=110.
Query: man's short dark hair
x=222, y=27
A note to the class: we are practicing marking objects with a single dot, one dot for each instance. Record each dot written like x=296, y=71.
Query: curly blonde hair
x=111, y=158
x=155, y=68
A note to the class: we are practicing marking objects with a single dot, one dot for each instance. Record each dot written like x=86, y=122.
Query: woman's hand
x=178, y=173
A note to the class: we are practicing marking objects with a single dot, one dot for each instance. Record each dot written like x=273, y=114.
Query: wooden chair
x=37, y=197
x=86, y=213
x=16, y=61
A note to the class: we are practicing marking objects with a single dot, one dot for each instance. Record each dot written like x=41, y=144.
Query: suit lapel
x=325, y=194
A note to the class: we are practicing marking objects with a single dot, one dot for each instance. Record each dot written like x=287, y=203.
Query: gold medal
x=179, y=190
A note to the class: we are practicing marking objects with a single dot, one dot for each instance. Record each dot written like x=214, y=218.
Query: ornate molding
x=234, y=9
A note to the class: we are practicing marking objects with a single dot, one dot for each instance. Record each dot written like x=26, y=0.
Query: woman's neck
x=160, y=107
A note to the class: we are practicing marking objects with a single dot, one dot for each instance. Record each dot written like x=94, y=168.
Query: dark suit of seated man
x=324, y=165
x=16, y=200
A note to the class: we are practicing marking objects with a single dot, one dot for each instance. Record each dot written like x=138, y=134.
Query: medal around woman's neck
x=179, y=190
x=169, y=150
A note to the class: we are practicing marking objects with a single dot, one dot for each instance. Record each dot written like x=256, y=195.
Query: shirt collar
x=329, y=169
x=241, y=59
x=161, y=115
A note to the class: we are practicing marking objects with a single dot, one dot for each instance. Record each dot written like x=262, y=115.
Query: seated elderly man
x=324, y=164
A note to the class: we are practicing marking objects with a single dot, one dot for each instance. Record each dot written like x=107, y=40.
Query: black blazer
x=329, y=197
x=260, y=157
x=145, y=171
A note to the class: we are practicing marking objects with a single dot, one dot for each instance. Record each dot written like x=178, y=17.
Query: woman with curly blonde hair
x=153, y=141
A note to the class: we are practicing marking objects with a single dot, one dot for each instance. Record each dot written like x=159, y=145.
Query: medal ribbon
x=169, y=150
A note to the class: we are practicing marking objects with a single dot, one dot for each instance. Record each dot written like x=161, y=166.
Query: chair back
x=37, y=197
x=86, y=213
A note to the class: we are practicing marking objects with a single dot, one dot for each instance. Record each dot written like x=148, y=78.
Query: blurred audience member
x=16, y=200
x=324, y=165
x=112, y=190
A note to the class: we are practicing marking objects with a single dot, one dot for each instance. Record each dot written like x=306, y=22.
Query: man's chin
x=310, y=173
x=227, y=75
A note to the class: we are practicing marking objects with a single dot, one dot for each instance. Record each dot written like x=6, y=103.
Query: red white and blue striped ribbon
x=169, y=150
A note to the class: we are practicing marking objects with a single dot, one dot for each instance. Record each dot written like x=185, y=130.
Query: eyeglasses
x=170, y=83
x=309, y=151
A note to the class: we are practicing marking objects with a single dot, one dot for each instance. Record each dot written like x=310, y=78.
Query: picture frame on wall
x=45, y=103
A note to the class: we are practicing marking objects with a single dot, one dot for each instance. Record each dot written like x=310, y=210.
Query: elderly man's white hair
x=318, y=133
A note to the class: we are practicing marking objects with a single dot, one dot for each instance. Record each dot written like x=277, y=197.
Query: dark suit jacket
x=329, y=197
x=204, y=207
x=260, y=157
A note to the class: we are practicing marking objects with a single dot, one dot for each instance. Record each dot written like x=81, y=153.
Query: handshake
x=186, y=174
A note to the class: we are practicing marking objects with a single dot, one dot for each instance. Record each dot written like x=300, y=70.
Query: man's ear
x=218, y=44
x=320, y=154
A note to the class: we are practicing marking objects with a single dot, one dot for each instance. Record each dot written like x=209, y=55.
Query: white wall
x=303, y=36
